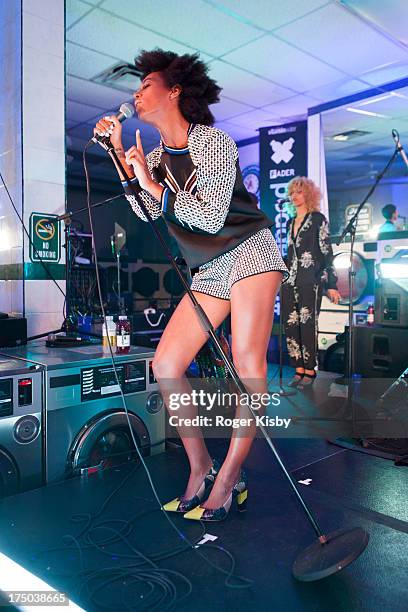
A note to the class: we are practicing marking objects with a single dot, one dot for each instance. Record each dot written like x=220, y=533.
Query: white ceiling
x=273, y=59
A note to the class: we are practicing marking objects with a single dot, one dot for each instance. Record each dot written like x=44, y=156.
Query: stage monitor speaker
x=379, y=352
x=13, y=331
x=391, y=300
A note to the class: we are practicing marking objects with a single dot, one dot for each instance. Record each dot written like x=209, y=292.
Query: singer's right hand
x=110, y=126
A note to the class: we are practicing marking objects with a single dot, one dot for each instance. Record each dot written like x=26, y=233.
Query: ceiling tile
x=93, y=94
x=76, y=111
x=245, y=87
x=386, y=15
x=75, y=9
x=268, y=15
x=282, y=63
x=85, y=63
x=342, y=39
x=386, y=74
x=226, y=108
x=107, y=34
x=236, y=132
x=337, y=89
x=254, y=119
x=199, y=25
x=297, y=105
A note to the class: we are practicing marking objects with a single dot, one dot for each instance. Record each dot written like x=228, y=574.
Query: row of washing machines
x=62, y=414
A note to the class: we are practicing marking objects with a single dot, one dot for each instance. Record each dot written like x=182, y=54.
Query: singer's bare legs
x=182, y=339
x=252, y=309
x=252, y=317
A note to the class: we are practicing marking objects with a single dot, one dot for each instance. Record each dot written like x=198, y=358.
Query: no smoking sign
x=45, y=238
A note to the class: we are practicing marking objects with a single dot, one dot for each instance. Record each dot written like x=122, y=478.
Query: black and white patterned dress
x=221, y=232
x=311, y=272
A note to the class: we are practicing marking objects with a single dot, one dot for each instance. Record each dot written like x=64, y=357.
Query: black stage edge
x=397, y=448
x=41, y=530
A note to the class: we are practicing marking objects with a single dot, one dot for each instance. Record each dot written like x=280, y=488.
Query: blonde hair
x=311, y=191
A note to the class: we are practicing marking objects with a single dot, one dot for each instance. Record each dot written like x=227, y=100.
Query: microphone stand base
x=329, y=554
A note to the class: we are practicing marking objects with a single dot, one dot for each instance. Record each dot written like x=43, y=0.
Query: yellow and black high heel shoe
x=239, y=496
x=180, y=504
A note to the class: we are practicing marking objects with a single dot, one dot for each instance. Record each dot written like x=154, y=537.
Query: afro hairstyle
x=188, y=71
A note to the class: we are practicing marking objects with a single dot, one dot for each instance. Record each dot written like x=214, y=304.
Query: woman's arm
x=154, y=207
x=216, y=173
x=327, y=252
x=111, y=126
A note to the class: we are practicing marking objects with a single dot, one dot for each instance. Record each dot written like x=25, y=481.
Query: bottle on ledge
x=370, y=315
x=108, y=335
x=123, y=329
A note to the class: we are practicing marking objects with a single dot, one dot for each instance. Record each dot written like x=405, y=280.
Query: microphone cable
x=244, y=582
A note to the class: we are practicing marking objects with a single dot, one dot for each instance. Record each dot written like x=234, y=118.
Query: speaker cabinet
x=379, y=352
x=391, y=299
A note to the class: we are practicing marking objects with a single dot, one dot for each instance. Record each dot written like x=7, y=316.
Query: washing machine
x=21, y=426
x=87, y=428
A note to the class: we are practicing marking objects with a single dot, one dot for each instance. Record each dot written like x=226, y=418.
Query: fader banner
x=282, y=156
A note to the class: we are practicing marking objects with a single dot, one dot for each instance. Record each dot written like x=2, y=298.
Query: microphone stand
x=67, y=215
x=330, y=552
x=283, y=392
x=351, y=229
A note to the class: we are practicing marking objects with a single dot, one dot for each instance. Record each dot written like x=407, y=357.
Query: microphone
x=126, y=111
x=400, y=148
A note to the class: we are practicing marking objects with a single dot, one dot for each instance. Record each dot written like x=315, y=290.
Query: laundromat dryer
x=86, y=424
x=21, y=427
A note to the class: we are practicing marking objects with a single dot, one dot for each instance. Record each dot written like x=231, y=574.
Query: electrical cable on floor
x=136, y=570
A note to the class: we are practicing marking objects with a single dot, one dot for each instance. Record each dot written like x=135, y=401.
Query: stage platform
x=103, y=539
x=65, y=534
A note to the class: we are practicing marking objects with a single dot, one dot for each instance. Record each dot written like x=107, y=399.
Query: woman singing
x=311, y=272
x=193, y=180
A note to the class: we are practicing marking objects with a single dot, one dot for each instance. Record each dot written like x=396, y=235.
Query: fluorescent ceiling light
x=360, y=111
x=374, y=100
x=342, y=136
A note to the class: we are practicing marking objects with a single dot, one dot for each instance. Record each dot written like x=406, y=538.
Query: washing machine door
x=341, y=263
x=9, y=475
x=106, y=441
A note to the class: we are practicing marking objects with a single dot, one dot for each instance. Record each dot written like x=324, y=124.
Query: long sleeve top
x=310, y=254
x=205, y=204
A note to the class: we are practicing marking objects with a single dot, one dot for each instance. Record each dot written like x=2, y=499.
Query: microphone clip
x=102, y=141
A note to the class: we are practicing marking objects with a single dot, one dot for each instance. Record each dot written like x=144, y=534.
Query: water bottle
x=108, y=331
x=123, y=329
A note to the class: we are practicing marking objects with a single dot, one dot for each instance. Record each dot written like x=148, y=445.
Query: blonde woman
x=311, y=273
